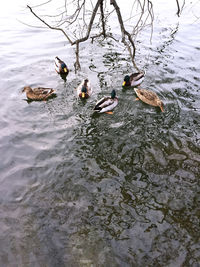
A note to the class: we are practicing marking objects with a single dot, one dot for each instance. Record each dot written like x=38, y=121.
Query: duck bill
x=124, y=83
x=83, y=95
x=65, y=69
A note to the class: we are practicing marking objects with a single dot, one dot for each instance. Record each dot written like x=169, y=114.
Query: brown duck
x=149, y=97
x=39, y=93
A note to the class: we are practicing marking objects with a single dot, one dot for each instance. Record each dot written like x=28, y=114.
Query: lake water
x=82, y=189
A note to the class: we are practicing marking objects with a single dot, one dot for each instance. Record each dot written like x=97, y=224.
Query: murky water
x=81, y=189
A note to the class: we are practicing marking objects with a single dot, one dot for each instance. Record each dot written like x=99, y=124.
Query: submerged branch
x=77, y=63
x=130, y=46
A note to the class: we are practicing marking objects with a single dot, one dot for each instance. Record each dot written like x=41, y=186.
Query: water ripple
x=79, y=188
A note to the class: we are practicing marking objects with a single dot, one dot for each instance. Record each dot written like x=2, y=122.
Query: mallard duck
x=149, y=97
x=61, y=67
x=39, y=93
x=84, y=89
x=134, y=79
x=106, y=104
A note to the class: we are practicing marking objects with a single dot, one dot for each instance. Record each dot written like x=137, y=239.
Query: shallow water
x=83, y=189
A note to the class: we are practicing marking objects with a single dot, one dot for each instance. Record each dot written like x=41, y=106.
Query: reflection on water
x=85, y=189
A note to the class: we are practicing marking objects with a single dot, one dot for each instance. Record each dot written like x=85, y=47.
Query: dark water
x=79, y=189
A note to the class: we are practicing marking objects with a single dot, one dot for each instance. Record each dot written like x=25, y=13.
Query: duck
x=84, y=89
x=39, y=93
x=149, y=97
x=107, y=104
x=134, y=79
x=61, y=68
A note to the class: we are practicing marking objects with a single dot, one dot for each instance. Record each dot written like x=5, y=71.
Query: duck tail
x=141, y=75
x=57, y=58
x=52, y=91
x=97, y=108
x=144, y=72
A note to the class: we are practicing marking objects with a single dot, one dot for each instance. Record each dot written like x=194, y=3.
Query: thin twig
x=49, y=26
x=90, y=24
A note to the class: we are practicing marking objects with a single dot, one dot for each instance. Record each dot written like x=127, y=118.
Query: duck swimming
x=134, y=79
x=39, y=93
x=84, y=89
x=149, y=97
x=106, y=104
x=61, y=68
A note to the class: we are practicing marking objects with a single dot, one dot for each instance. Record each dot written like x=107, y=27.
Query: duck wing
x=147, y=96
x=111, y=106
x=57, y=69
x=103, y=102
x=89, y=88
x=42, y=91
x=106, y=104
x=136, y=76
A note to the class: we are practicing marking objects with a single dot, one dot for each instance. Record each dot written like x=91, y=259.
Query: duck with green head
x=107, y=104
x=61, y=68
x=134, y=79
x=84, y=90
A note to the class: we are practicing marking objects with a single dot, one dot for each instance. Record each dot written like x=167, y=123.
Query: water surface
x=82, y=189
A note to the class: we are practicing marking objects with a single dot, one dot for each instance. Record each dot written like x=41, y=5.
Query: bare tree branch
x=102, y=19
x=125, y=33
x=90, y=24
x=49, y=26
x=77, y=63
x=79, y=21
x=108, y=35
x=42, y=4
x=178, y=7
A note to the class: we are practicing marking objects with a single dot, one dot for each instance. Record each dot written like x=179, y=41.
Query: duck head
x=83, y=92
x=26, y=89
x=126, y=80
x=86, y=81
x=64, y=67
x=113, y=94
